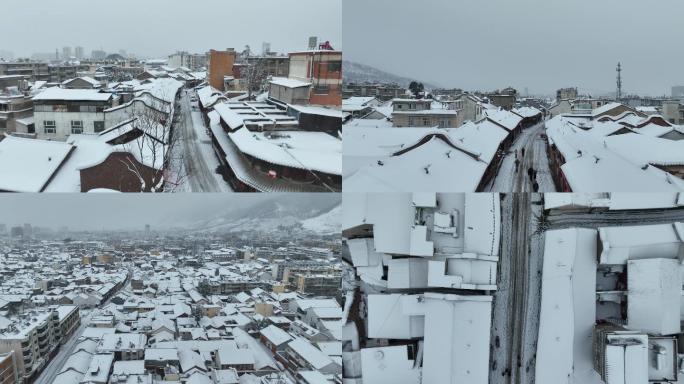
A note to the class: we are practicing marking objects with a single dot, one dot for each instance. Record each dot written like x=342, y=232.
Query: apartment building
x=36, y=71
x=192, y=61
x=16, y=106
x=33, y=337
x=323, y=69
x=319, y=284
x=69, y=319
x=59, y=112
x=420, y=113
x=220, y=66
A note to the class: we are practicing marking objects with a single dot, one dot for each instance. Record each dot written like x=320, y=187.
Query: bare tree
x=153, y=140
x=253, y=73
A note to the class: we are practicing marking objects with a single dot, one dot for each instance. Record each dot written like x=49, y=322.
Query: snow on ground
x=508, y=179
x=502, y=299
x=541, y=164
x=327, y=223
x=198, y=153
x=533, y=296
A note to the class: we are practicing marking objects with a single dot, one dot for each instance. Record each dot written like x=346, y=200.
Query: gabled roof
x=33, y=163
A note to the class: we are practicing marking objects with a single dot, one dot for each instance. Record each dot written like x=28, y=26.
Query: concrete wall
x=63, y=123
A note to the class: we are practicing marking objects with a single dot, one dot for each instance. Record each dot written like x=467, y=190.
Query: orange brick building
x=220, y=65
x=323, y=69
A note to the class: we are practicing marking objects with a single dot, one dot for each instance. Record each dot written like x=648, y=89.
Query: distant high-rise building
x=17, y=232
x=79, y=52
x=266, y=48
x=566, y=94
x=147, y=229
x=98, y=54
x=678, y=91
x=28, y=230
x=66, y=53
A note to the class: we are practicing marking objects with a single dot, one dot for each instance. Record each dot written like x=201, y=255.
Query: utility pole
x=619, y=82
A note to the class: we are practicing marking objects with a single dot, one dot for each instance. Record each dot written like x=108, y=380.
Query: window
x=444, y=123
x=99, y=126
x=49, y=126
x=334, y=66
x=76, y=126
x=321, y=90
x=412, y=121
x=426, y=121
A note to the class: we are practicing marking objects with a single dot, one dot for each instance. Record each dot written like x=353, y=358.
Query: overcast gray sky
x=160, y=27
x=539, y=44
x=117, y=211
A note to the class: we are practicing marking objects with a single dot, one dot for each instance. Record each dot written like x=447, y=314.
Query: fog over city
x=127, y=211
x=159, y=27
x=540, y=45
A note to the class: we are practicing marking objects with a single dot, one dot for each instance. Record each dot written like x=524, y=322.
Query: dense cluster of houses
x=611, y=297
x=287, y=138
x=425, y=265
x=138, y=313
x=615, y=148
x=83, y=138
x=427, y=145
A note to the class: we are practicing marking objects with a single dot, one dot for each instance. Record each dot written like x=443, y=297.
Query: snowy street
x=516, y=301
x=50, y=372
x=55, y=366
x=199, y=160
x=532, y=145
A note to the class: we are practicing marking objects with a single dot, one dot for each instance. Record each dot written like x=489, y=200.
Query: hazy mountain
x=359, y=73
x=292, y=210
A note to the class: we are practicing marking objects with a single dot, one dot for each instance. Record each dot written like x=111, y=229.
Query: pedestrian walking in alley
x=529, y=172
x=517, y=165
x=535, y=187
x=523, y=152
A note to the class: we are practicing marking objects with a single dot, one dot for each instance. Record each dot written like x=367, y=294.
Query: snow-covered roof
x=593, y=165
x=312, y=355
x=654, y=296
x=316, y=110
x=162, y=88
x=389, y=364
x=527, y=111
x=604, y=108
x=503, y=117
x=87, y=79
x=568, y=307
x=30, y=163
x=620, y=244
x=289, y=83
x=61, y=94
x=208, y=96
x=644, y=149
x=463, y=323
x=357, y=101
x=276, y=335
x=316, y=151
x=434, y=164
